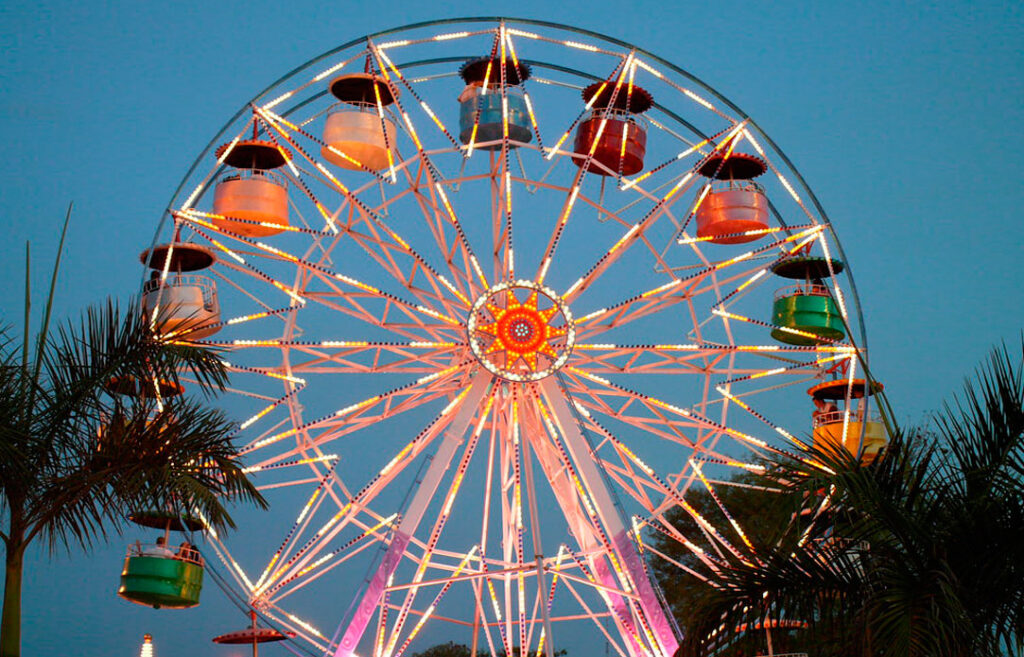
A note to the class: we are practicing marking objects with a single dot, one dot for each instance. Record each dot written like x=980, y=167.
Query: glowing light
x=528, y=35
x=224, y=155
x=828, y=260
x=580, y=46
x=707, y=484
x=247, y=318
x=357, y=406
x=784, y=329
x=679, y=185
x=647, y=67
x=254, y=418
x=437, y=315
x=519, y=333
x=193, y=196
x=430, y=113
x=333, y=69
x=304, y=625
x=587, y=318
x=450, y=35
x=699, y=99
x=789, y=188
x=314, y=459
x=285, y=377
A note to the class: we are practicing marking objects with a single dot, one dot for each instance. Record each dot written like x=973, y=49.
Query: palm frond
x=920, y=552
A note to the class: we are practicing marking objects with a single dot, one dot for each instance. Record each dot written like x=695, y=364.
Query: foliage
x=449, y=649
x=761, y=513
x=918, y=554
x=80, y=456
x=452, y=649
x=76, y=457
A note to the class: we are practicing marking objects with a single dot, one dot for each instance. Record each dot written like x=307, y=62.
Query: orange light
x=522, y=331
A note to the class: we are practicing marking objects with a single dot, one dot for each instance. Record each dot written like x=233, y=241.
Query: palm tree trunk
x=10, y=623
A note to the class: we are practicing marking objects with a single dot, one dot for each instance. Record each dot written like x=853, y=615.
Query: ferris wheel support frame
x=581, y=452
x=369, y=599
x=587, y=466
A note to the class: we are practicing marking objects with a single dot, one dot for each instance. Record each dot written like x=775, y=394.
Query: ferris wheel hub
x=521, y=331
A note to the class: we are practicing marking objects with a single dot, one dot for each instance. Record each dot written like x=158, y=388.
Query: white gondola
x=184, y=304
x=358, y=132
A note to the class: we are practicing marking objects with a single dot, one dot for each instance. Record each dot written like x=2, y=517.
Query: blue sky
x=903, y=117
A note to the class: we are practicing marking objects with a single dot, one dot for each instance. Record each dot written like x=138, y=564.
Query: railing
x=831, y=546
x=615, y=114
x=361, y=106
x=493, y=89
x=186, y=553
x=736, y=186
x=265, y=175
x=836, y=417
x=839, y=543
x=204, y=283
x=803, y=291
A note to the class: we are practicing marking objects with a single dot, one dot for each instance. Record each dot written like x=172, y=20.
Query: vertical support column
x=584, y=529
x=538, y=552
x=615, y=525
x=452, y=437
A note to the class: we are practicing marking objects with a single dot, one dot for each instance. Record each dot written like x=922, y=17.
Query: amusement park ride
x=476, y=362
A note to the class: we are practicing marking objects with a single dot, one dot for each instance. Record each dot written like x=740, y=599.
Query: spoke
x=328, y=276
x=479, y=388
x=434, y=177
x=506, y=205
x=354, y=416
x=671, y=496
x=578, y=508
x=647, y=608
x=359, y=356
x=374, y=222
x=433, y=205
x=361, y=499
x=679, y=290
x=693, y=358
x=570, y=200
x=652, y=403
x=638, y=229
x=435, y=534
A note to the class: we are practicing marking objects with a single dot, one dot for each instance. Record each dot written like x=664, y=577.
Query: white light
x=452, y=35
x=579, y=46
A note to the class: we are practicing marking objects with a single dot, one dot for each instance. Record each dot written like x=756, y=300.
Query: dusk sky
x=904, y=118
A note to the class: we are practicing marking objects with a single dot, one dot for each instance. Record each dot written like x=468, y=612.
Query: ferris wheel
x=496, y=296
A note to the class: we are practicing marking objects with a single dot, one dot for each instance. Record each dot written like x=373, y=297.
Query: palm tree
x=76, y=456
x=756, y=510
x=919, y=554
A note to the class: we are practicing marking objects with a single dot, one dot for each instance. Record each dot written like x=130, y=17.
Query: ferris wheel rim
x=356, y=42
x=742, y=115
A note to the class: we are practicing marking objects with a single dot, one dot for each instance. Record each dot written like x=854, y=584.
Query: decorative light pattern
x=524, y=340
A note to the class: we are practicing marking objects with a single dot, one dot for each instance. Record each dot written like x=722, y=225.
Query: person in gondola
x=472, y=89
x=818, y=288
x=822, y=409
x=160, y=549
